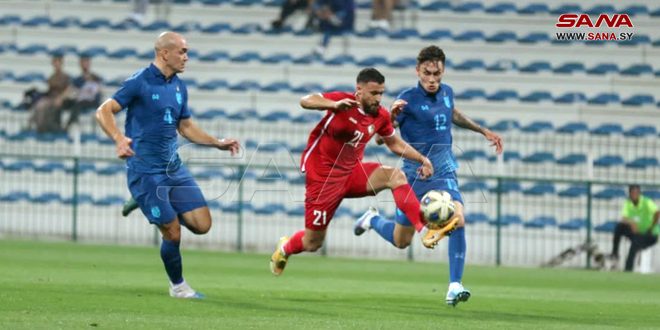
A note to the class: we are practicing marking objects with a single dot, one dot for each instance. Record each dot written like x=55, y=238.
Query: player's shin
x=407, y=202
x=295, y=244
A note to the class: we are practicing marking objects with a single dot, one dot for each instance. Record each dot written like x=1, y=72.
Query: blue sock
x=457, y=248
x=169, y=252
x=384, y=228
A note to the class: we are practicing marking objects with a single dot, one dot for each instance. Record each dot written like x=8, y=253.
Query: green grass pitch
x=75, y=286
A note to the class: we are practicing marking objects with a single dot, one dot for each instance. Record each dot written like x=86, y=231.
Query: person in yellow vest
x=639, y=223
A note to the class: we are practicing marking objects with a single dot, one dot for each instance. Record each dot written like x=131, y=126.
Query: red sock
x=407, y=202
x=295, y=244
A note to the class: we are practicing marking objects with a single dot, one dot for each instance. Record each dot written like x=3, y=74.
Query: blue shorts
x=164, y=196
x=448, y=183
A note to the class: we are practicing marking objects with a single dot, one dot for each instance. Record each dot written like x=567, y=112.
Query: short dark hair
x=431, y=53
x=370, y=74
x=634, y=186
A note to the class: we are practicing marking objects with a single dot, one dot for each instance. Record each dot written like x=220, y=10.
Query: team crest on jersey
x=447, y=102
x=178, y=98
x=155, y=212
x=371, y=129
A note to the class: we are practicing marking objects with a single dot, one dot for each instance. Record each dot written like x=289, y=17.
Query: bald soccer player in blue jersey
x=424, y=115
x=156, y=101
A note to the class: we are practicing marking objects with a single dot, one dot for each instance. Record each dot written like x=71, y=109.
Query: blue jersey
x=425, y=123
x=155, y=106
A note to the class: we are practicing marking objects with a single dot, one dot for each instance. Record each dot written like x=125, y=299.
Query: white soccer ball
x=437, y=207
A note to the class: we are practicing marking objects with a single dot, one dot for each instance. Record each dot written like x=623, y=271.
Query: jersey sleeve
x=185, y=112
x=651, y=206
x=336, y=96
x=129, y=90
x=386, y=129
x=626, y=210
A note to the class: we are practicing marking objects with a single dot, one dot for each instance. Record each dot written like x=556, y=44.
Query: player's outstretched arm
x=318, y=102
x=105, y=116
x=403, y=149
x=194, y=133
x=461, y=120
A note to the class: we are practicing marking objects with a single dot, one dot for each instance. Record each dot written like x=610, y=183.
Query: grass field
x=65, y=285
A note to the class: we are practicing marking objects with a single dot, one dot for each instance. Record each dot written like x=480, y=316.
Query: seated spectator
x=85, y=94
x=381, y=14
x=46, y=110
x=335, y=17
x=639, y=223
x=291, y=6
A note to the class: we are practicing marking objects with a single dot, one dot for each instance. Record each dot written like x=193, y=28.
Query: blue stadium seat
x=94, y=51
x=572, y=159
x=502, y=36
x=33, y=49
x=476, y=217
x=216, y=55
x=643, y=162
x=570, y=67
x=541, y=222
x=607, y=129
x=122, y=53
x=609, y=161
x=655, y=13
x=539, y=157
x=96, y=23
x=638, y=39
x=573, y=127
x=297, y=179
x=243, y=114
x=537, y=66
x=604, y=68
x=540, y=188
x=502, y=7
x=373, y=61
x=246, y=57
x=15, y=196
x=157, y=26
x=639, y=100
x=641, y=130
x=537, y=127
x=471, y=94
x=46, y=197
x=276, y=116
x=573, y=224
x=571, y=97
x=216, y=28
x=535, y=37
x=82, y=168
x=437, y=5
x=111, y=169
x=49, y=167
x=470, y=65
x=277, y=58
x=187, y=26
x=306, y=59
x=470, y=35
x=503, y=95
x=297, y=211
x=610, y=192
x=247, y=28
x=573, y=191
x=214, y=84
x=471, y=155
x=437, y=34
x=601, y=9
x=307, y=117
x=503, y=65
x=109, y=200
x=308, y=88
x=472, y=186
x=343, y=211
x=606, y=227
x=508, y=155
x=276, y=86
x=505, y=125
x=83, y=198
x=403, y=34
x=340, y=60
x=19, y=165
x=537, y=96
x=405, y=62
x=566, y=8
x=269, y=209
x=637, y=69
x=36, y=21
x=65, y=22
x=468, y=6
x=507, y=187
x=534, y=8
x=652, y=194
x=10, y=19
x=507, y=219
x=634, y=10
x=208, y=174
x=234, y=207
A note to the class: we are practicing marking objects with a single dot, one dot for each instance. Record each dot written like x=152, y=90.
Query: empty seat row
x=284, y=58
x=542, y=221
x=255, y=28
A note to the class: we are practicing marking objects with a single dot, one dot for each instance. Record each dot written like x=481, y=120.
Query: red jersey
x=336, y=144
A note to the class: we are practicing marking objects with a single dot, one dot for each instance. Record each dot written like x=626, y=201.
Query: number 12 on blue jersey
x=440, y=121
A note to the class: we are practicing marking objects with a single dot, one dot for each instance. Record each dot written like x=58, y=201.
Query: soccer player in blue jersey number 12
x=157, y=107
x=424, y=115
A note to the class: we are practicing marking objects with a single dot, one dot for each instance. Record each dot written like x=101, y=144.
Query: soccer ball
x=437, y=207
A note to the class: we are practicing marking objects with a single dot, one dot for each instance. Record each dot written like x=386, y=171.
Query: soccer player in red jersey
x=334, y=169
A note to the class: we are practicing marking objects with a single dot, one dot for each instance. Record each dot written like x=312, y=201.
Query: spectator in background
x=381, y=14
x=335, y=17
x=291, y=6
x=86, y=91
x=639, y=223
x=46, y=110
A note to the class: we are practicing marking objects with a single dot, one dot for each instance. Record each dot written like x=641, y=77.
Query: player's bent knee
x=401, y=245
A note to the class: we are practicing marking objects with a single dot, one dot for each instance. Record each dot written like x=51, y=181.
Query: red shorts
x=322, y=198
